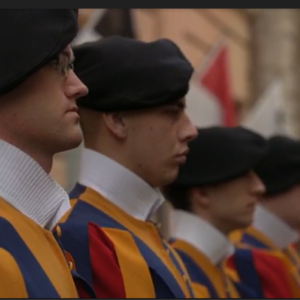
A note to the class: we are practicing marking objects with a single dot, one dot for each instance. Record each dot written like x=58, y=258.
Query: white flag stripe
x=87, y=33
x=202, y=107
x=267, y=116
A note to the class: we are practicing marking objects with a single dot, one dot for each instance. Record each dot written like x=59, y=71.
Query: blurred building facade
x=197, y=30
x=275, y=48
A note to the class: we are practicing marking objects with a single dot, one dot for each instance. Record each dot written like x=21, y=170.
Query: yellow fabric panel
x=136, y=276
x=232, y=274
x=199, y=290
x=235, y=236
x=12, y=284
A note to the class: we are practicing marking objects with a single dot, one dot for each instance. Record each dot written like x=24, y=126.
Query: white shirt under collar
x=200, y=234
x=280, y=233
x=119, y=185
x=29, y=189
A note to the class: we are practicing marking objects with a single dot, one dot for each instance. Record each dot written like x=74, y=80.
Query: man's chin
x=245, y=223
x=171, y=177
x=72, y=142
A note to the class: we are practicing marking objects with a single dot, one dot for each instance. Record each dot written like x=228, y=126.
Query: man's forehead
x=181, y=101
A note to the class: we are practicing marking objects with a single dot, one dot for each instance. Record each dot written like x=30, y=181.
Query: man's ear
x=116, y=124
x=200, y=197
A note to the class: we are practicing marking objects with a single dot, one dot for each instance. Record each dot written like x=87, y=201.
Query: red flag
x=214, y=79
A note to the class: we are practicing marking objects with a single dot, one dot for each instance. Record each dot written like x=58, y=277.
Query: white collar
x=29, y=189
x=119, y=185
x=203, y=236
x=280, y=233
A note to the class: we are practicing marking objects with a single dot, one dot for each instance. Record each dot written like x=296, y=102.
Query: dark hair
x=178, y=196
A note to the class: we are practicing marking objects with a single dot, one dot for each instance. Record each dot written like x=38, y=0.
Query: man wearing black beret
x=277, y=217
x=214, y=194
x=38, y=118
x=136, y=135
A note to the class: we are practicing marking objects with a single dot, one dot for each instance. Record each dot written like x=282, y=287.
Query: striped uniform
x=119, y=255
x=32, y=263
x=264, y=260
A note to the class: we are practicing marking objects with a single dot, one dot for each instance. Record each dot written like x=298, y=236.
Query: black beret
x=127, y=74
x=30, y=39
x=280, y=168
x=219, y=154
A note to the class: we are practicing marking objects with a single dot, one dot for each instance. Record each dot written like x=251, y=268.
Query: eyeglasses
x=63, y=64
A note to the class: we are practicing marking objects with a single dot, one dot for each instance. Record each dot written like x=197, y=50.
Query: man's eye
x=71, y=66
x=62, y=64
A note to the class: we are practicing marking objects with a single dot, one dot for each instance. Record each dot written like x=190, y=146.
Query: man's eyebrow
x=181, y=104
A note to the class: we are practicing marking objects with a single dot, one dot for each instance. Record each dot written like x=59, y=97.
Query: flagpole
x=208, y=59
